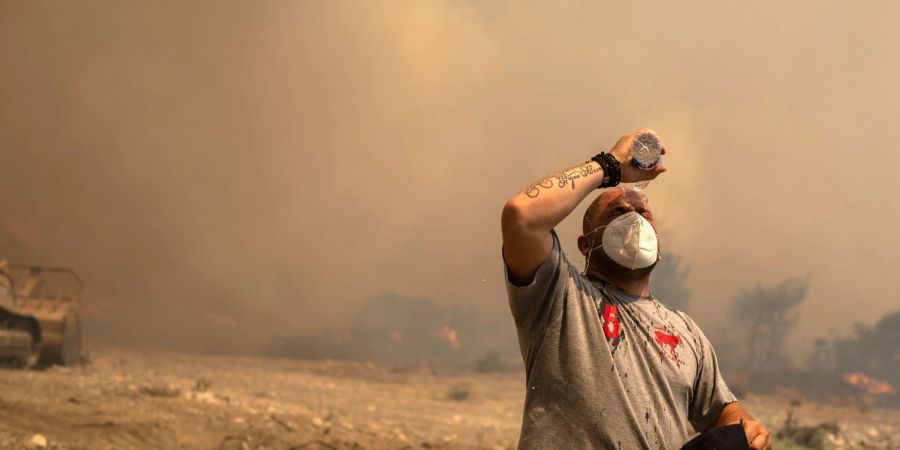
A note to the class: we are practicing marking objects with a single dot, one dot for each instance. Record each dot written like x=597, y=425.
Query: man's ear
x=583, y=245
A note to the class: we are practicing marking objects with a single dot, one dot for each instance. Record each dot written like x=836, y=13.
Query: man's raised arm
x=529, y=216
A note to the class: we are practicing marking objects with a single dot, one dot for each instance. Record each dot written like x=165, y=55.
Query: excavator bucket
x=52, y=296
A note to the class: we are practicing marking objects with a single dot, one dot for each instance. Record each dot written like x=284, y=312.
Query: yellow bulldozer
x=39, y=316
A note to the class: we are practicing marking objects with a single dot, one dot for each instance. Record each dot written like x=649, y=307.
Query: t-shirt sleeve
x=530, y=304
x=711, y=393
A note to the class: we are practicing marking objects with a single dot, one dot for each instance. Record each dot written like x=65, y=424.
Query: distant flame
x=868, y=384
x=451, y=335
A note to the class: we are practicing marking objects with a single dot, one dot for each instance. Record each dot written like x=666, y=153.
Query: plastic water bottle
x=646, y=154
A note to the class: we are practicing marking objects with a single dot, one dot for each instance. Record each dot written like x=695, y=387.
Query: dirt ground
x=154, y=400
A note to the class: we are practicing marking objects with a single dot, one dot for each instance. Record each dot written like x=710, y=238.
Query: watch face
x=646, y=150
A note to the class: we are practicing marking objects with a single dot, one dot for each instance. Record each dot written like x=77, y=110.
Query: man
x=606, y=364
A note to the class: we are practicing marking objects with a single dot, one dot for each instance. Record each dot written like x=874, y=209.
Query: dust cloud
x=222, y=173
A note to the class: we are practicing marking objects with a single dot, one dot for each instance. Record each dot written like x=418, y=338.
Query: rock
x=205, y=397
x=234, y=443
x=36, y=441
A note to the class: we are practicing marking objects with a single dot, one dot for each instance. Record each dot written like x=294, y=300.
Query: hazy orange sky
x=220, y=172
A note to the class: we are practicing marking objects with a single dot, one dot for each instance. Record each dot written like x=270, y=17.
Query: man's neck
x=640, y=288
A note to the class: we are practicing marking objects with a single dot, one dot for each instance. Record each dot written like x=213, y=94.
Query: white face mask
x=629, y=240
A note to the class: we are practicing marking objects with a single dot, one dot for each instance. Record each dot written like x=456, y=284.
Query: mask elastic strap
x=587, y=261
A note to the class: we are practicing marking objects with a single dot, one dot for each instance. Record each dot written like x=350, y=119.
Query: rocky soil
x=152, y=400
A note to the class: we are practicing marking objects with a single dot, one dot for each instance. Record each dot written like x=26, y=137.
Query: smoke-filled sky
x=222, y=172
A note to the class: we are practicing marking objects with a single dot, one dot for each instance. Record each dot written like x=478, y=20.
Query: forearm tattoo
x=562, y=178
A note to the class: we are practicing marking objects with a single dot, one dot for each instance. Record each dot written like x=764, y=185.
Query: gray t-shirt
x=606, y=369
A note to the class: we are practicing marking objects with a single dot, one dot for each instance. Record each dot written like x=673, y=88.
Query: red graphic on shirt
x=611, y=325
x=664, y=339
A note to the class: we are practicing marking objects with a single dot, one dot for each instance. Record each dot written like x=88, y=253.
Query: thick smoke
x=225, y=172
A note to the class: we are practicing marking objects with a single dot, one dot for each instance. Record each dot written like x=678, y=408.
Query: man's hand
x=757, y=435
x=623, y=153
